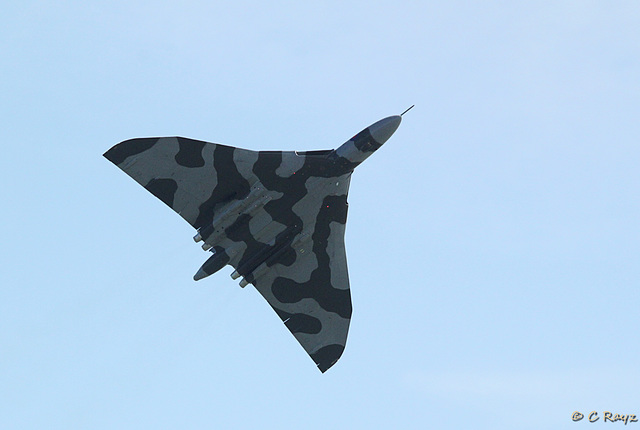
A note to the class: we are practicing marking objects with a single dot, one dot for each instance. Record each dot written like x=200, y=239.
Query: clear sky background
x=493, y=241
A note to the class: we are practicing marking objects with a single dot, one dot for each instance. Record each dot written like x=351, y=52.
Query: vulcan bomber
x=277, y=217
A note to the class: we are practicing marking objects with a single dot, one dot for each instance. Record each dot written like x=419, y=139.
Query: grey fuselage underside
x=277, y=217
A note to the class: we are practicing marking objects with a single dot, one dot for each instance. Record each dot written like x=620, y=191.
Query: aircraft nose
x=382, y=130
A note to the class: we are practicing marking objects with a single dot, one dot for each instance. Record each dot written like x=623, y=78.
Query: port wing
x=306, y=280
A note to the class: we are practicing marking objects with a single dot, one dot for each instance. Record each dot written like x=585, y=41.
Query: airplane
x=277, y=217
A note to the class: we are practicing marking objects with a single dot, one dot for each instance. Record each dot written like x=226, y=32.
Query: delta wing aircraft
x=277, y=217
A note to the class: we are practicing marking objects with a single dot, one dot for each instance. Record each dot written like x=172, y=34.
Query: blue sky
x=493, y=241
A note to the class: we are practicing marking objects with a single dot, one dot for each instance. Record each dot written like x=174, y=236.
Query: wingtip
x=327, y=356
x=108, y=154
x=118, y=153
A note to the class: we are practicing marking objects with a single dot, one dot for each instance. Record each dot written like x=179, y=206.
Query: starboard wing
x=192, y=177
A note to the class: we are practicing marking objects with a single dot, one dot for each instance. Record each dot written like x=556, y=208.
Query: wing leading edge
x=277, y=217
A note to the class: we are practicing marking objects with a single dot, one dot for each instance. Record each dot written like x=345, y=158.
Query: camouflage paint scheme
x=277, y=217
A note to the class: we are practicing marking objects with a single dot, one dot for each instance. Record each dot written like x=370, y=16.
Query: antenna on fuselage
x=407, y=110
